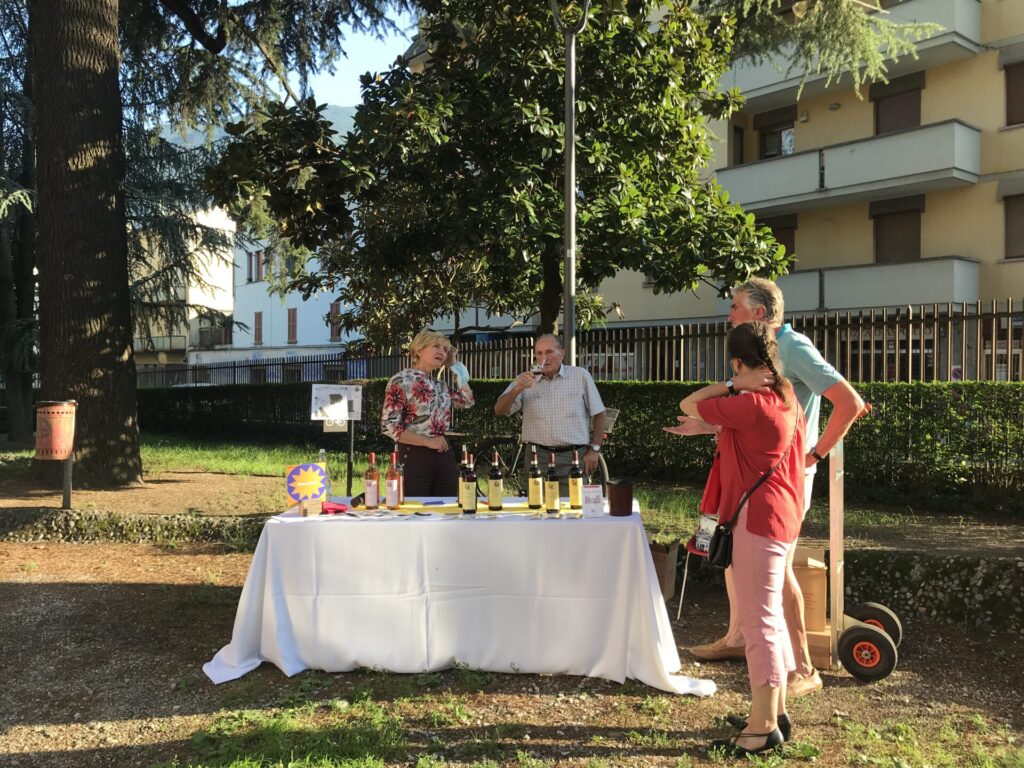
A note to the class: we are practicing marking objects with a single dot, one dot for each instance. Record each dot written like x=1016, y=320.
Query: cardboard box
x=810, y=571
x=665, y=557
x=819, y=643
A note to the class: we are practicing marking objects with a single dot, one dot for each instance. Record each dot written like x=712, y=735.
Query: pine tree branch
x=196, y=26
x=268, y=55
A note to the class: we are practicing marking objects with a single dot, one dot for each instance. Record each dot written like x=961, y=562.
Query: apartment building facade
x=906, y=193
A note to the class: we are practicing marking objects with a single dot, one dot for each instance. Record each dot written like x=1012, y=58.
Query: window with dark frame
x=898, y=112
x=1013, y=208
x=335, y=371
x=775, y=136
x=255, y=271
x=785, y=236
x=776, y=141
x=293, y=326
x=897, y=103
x=335, y=321
x=783, y=229
x=897, y=237
x=1014, y=93
x=257, y=328
x=258, y=374
x=737, y=145
x=897, y=225
x=291, y=373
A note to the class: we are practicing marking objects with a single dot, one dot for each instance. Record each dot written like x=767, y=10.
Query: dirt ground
x=163, y=493
x=101, y=647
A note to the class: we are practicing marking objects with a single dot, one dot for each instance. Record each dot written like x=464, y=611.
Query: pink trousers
x=758, y=572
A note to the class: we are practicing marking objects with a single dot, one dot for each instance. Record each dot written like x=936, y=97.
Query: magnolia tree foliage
x=448, y=192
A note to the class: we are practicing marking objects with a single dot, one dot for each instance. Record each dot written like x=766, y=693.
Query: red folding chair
x=697, y=546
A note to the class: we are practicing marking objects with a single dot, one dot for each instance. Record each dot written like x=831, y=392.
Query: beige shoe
x=801, y=685
x=718, y=651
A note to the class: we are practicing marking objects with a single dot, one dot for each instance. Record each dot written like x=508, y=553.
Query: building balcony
x=160, y=344
x=210, y=338
x=927, y=281
x=768, y=85
x=910, y=162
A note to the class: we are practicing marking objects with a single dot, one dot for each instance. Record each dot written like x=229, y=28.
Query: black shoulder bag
x=720, y=547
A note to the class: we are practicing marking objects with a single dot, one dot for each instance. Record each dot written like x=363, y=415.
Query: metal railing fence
x=934, y=342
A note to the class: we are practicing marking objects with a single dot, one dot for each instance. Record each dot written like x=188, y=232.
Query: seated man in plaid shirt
x=560, y=406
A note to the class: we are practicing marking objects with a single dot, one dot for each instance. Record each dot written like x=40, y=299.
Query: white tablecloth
x=418, y=594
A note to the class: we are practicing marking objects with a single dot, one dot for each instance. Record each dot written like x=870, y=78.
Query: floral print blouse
x=415, y=400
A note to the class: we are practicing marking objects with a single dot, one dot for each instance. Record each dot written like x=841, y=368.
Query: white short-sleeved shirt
x=557, y=411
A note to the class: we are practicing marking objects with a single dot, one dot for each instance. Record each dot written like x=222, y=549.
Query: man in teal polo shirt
x=813, y=378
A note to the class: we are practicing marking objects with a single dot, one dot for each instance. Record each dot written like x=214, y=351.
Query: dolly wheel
x=867, y=653
x=879, y=616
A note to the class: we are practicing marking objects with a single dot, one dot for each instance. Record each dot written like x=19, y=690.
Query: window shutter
x=257, y=328
x=895, y=113
x=1015, y=94
x=786, y=236
x=1014, y=208
x=293, y=326
x=897, y=237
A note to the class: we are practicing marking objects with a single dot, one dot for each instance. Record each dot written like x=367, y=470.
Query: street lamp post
x=569, y=237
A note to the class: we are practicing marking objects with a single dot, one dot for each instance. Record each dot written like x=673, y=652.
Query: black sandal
x=785, y=724
x=729, y=748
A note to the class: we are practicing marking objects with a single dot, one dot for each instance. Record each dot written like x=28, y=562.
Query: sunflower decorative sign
x=306, y=482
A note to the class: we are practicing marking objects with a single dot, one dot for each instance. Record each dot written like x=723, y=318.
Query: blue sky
x=365, y=54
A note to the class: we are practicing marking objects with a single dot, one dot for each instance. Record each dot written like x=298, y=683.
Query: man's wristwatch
x=595, y=447
x=817, y=456
x=730, y=386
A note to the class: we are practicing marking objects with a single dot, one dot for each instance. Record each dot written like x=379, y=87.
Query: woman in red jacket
x=762, y=426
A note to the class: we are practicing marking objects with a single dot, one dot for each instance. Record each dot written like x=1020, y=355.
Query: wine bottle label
x=391, y=493
x=371, y=492
x=495, y=493
x=576, y=492
x=467, y=496
x=551, y=495
x=536, y=492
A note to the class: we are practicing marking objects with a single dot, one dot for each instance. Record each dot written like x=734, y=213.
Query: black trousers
x=429, y=472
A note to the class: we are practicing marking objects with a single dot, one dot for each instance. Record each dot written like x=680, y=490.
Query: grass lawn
x=670, y=510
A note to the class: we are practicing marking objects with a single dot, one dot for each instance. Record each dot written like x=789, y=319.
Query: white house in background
x=270, y=326
x=168, y=346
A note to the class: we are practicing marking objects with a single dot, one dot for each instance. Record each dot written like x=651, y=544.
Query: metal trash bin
x=55, y=429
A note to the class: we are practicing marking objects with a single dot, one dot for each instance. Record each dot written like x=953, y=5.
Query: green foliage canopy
x=448, y=193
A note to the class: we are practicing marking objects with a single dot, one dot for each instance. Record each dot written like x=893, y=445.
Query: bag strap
x=746, y=496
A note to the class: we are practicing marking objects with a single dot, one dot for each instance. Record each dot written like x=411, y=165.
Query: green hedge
x=944, y=444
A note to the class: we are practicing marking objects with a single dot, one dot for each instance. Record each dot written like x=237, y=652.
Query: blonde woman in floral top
x=417, y=411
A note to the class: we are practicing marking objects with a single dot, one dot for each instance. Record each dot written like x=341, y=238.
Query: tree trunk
x=85, y=311
x=551, y=291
